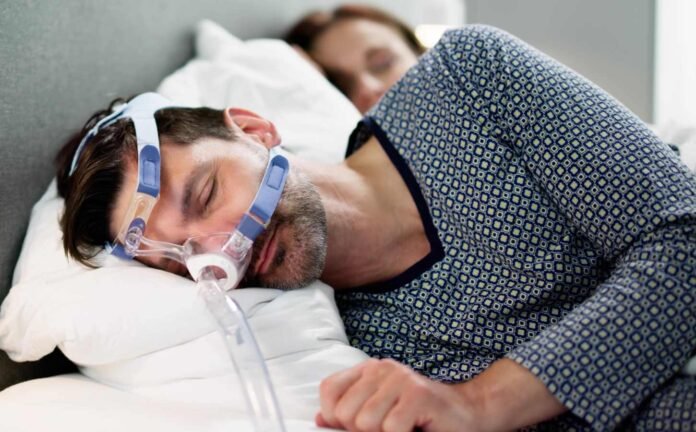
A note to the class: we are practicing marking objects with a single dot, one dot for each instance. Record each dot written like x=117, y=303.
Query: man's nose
x=368, y=91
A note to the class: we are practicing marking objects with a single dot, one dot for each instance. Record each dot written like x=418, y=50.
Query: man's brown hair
x=90, y=192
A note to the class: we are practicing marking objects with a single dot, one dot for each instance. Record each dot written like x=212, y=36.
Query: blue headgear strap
x=141, y=110
x=267, y=197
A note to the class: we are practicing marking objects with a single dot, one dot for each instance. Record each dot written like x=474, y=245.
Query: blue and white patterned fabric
x=562, y=234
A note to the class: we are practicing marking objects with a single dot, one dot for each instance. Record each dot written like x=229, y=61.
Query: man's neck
x=374, y=229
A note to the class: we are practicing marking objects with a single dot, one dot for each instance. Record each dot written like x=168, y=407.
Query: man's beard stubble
x=299, y=259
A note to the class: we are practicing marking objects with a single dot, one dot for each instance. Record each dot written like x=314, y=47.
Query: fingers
x=352, y=401
x=360, y=398
x=332, y=389
x=406, y=414
x=371, y=415
x=383, y=395
x=319, y=421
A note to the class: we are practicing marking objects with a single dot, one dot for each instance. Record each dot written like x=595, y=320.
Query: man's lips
x=267, y=253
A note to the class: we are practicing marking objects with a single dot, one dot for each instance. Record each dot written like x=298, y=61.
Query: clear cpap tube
x=241, y=345
x=216, y=270
x=217, y=263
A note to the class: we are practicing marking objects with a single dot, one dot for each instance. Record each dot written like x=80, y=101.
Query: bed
x=126, y=347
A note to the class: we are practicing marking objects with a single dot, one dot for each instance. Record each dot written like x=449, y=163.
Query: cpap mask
x=231, y=256
x=216, y=262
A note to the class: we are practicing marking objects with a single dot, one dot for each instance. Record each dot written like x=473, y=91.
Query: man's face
x=207, y=186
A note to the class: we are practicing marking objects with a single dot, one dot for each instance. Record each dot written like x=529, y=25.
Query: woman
x=362, y=50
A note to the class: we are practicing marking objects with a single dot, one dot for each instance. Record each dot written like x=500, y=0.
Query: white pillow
x=270, y=78
x=299, y=333
x=681, y=135
x=125, y=309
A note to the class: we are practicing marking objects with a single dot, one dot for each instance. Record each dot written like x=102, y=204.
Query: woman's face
x=363, y=58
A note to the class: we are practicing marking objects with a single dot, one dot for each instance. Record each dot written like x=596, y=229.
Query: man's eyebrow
x=191, y=181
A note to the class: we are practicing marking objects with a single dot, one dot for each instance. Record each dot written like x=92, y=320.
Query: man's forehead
x=180, y=161
x=208, y=149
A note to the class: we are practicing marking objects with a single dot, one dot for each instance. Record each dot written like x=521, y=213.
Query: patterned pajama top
x=562, y=235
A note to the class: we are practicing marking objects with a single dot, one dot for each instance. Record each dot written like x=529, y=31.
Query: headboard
x=61, y=61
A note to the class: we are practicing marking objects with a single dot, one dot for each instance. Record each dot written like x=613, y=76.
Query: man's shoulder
x=474, y=37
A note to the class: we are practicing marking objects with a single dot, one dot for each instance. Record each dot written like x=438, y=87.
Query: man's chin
x=285, y=282
x=300, y=242
x=286, y=276
x=294, y=266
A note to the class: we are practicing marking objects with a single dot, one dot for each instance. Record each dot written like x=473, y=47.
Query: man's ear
x=253, y=125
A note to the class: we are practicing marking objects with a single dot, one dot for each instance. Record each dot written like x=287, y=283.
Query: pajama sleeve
x=619, y=187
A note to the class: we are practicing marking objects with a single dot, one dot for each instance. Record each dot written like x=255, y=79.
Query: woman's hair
x=308, y=29
x=90, y=192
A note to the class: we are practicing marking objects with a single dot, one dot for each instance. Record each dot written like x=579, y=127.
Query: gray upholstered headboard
x=61, y=61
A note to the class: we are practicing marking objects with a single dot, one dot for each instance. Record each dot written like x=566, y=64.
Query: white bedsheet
x=74, y=403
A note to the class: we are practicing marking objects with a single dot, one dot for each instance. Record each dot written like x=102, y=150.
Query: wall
x=413, y=12
x=675, y=74
x=609, y=42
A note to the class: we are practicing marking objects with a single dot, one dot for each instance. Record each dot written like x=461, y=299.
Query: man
x=500, y=225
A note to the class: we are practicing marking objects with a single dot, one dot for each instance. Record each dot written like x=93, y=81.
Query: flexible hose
x=244, y=352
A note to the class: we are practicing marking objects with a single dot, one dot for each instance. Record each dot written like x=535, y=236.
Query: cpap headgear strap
x=141, y=110
x=131, y=241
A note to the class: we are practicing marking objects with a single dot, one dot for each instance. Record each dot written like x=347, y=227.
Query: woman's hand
x=384, y=395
